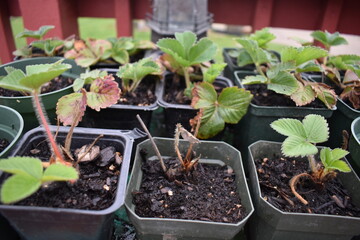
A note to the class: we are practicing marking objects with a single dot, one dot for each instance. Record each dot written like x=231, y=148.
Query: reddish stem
x=45, y=124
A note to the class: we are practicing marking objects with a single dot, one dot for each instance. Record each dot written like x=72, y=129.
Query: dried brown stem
x=293, y=183
x=153, y=143
x=188, y=154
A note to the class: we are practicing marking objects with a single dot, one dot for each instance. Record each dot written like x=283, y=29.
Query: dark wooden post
x=60, y=13
x=262, y=15
x=6, y=37
x=331, y=15
x=123, y=15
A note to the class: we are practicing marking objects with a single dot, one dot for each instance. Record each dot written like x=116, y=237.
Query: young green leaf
x=257, y=54
x=132, y=74
x=28, y=177
x=211, y=73
x=87, y=78
x=229, y=107
x=329, y=39
x=302, y=54
x=331, y=159
x=49, y=45
x=283, y=83
x=302, y=136
x=38, y=34
x=262, y=37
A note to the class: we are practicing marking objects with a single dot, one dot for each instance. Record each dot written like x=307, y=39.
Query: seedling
x=229, y=107
x=285, y=78
x=50, y=46
x=133, y=73
x=26, y=180
x=186, y=52
x=329, y=39
x=301, y=140
x=262, y=38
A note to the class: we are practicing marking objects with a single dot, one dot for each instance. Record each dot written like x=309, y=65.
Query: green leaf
x=48, y=45
x=331, y=159
x=71, y=107
x=87, y=78
x=289, y=127
x=12, y=81
x=59, y=172
x=211, y=73
x=38, y=34
x=262, y=37
x=279, y=67
x=37, y=75
x=203, y=51
x=297, y=146
x=316, y=128
x=104, y=92
x=258, y=79
x=325, y=94
x=244, y=58
x=302, y=54
x=303, y=95
x=18, y=187
x=257, y=54
x=187, y=40
x=329, y=39
x=283, y=83
x=175, y=49
x=134, y=72
x=229, y=107
x=22, y=165
x=121, y=56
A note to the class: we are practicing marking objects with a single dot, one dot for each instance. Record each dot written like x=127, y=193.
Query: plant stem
x=44, y=122
x=312, y=163
x=258, y=68
x=187, y=77
x=153, y=143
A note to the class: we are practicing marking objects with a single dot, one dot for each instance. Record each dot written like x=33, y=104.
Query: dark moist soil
x=174, y=90
x=209, y=194
x=88, y=192
x=144, y=94
x=274, y=175
x=54, y=85
x=266, y=97
x=3, y=144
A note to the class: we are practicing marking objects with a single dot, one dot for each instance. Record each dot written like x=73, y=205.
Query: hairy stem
x=258, y=68
x=188, y=154
x=176, y=144
x=294, y=180
x=153, y=143
x=312, y=163
x=187, y=77
x=42, y=117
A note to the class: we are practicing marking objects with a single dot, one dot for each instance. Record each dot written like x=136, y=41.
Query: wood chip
x=338, y=201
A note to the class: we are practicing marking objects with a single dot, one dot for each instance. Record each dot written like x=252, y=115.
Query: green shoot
x=28, y=176
x=187, y=52
x=329, y=39
x=38, y=34
x=229, y=107
x=133, y=73
x=301, y=140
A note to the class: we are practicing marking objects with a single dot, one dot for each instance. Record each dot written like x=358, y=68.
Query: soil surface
x=54, y=85
x=207, y=194
x=94, y=190
x=329, y=198
x=266, y=97
x=144, y=94
x=3, y=144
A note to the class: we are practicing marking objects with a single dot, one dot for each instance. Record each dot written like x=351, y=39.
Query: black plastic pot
x=119, y=116
x=255, y=125
x=341, y=118
x=354, y=145
x=44, y=223
x=24, y=104
x=11, y=127
x=211, y=152
x=269, y=223
x=180, y=113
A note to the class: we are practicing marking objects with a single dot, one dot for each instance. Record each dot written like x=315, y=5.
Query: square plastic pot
x=354, y=145
x=255, y=125
x=181, y=113
x=24, y=105
x=11, y=127
x=270, y=223
x=163, y=228
x=44, y=223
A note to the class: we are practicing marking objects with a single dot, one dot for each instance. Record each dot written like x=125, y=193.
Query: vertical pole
x=331, y=15
x=262, y=15
x=123, y=15
x=6, y=37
